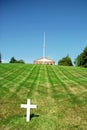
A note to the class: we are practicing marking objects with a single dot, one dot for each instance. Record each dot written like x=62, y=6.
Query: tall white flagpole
x=44, y=46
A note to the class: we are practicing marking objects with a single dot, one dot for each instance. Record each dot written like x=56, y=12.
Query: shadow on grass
x=33, y=116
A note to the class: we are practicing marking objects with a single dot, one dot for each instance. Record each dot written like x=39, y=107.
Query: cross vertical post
x=28, y=110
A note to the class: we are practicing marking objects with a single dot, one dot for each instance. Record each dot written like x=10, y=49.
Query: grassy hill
x=60, y=94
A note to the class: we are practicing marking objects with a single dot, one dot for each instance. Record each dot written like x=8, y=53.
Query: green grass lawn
x=60, y=94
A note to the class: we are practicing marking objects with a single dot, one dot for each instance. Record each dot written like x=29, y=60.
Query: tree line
x=0, y=58
x=12, y=60
x=81, y=60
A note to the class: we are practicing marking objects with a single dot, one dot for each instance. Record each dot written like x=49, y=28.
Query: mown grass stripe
x=10, y=85
x=72, y=76
x=61, y=100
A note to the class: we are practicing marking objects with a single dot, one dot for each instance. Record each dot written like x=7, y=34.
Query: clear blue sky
x=23, y=23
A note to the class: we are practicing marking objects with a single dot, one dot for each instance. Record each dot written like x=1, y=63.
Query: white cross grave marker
x=28, y=106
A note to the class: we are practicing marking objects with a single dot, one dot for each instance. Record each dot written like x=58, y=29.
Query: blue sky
x=23, y=23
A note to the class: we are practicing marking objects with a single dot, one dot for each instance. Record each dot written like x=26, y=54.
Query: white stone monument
x=28, y=106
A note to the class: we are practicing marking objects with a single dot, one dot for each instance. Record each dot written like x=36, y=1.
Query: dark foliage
x=65, y=61
x=81, y=59
x=13, y=60
x=0, y=58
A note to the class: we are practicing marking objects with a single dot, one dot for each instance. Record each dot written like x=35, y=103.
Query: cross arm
x=23, y=106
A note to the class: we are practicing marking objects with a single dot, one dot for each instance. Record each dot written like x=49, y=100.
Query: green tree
x=20, y=61
x=81, y=59
x=66, y=61
x=0, y=58
x=13, y=60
